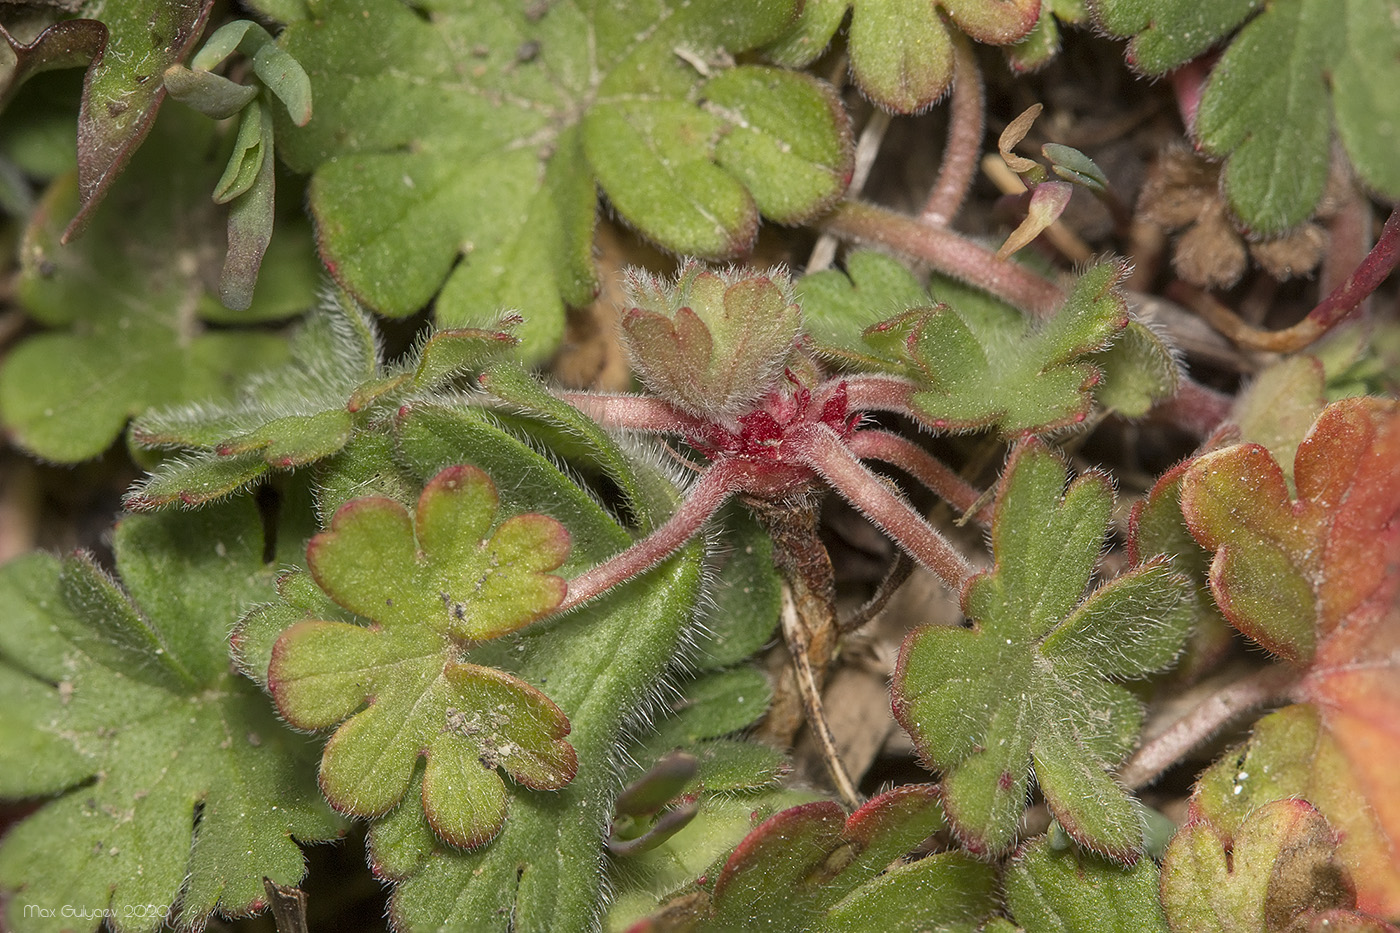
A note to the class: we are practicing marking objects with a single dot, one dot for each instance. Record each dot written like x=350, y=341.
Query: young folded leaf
x=1027, y=686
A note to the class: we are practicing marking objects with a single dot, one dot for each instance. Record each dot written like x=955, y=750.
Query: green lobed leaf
x=975, y=361
x=597, y=664
x=1293, y=71
x=128, y=303
x=507, y=121
x=1292, y=757
x=307, y=411
x=1024, y=688
x=434, y=583
x=174, y=783
x=1070, y=891
x=744, y=596
x=902, y=54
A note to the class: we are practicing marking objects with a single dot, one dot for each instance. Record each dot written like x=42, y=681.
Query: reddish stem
x=948, y=253
x=880, y=393
x=1188, y=733
x=923, y=466
x=713, y=489
x=823, y=450
x=1332, y=310
x=965, y=129
x=635, y=413
x=1196, y=408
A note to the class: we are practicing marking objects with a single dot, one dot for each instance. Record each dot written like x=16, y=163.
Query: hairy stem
x=820, y=448
x=946, y=252
x=965, y=129
x=634, y=413
x=923, y=466
x=1196, y=408
x=713, y=489
x=1198, y=726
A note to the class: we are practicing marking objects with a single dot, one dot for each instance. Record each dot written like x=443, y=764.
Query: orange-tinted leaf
x=1315, y=580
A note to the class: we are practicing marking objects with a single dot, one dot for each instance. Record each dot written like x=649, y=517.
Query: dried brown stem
x=1332, y=310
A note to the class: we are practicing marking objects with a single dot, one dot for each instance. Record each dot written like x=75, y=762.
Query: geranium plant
x=750, y=552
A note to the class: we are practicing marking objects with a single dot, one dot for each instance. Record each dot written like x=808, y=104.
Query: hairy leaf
x=174, y=781
x=1292, y=72
x=1043, y=42
x=1276, y=870
x=597, y=664
x=508, y=117
x=902, y=54
x=129, y=303
x=812, y=868
x=433, y=583
x=336, y=386
x=1026, y=687
x=1315, y=580
x=1066, y=890
x=979, y=363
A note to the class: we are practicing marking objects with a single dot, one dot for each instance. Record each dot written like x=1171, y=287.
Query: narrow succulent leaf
x=250, y=226
x=249, y=152
x=1072, y=165
x=577, y=97
x=1024, y=687
x=1070, y=891
x=1280, y=863
x=212, y=95
x=1048, y=201
x=129, y=331
x=227, y=39
x=286, y=79
x=193, y=790
x=122, y=90
x=1288, y=76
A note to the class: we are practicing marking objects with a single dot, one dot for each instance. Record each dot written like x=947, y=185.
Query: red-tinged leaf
x=67, y=44
x=1316, y=580
x=1280, y=868
x=124, y=88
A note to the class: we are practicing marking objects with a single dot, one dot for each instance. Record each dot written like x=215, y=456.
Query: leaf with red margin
x=68, y=44
x=1279, y=870
x=1315, y=580
x=1030, y=686
x=123, y=89
x=434, y=583
x=811, y=868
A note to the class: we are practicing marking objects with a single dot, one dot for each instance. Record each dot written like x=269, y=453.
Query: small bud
x=714, y=342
